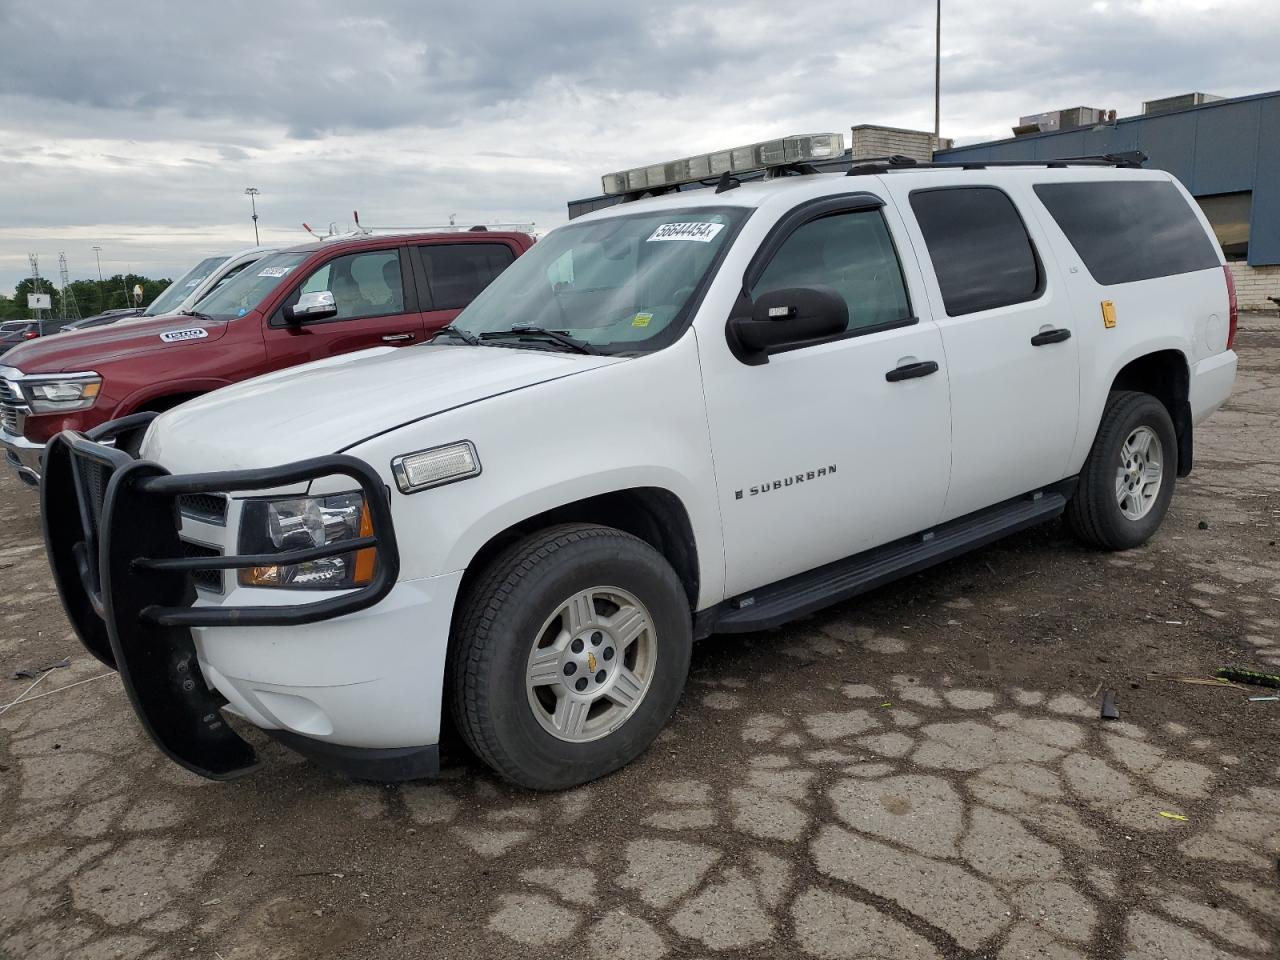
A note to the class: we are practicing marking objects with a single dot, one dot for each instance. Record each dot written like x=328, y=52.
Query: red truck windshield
x=250, y=287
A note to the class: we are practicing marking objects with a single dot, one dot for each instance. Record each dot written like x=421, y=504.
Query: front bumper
x=23, y=456
x=111, y=527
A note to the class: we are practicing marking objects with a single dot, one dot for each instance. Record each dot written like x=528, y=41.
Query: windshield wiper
x=555, y=336
x=195, y=313
x=466, y=336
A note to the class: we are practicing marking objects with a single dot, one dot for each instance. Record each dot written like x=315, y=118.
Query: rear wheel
x=1127, y=481
x=570, y=655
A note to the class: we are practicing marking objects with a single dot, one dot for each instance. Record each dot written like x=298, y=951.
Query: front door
x=377, y=307
x=818, y=454
x=1007, y=330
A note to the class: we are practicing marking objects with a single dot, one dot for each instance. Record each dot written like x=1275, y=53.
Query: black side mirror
x=787, y=317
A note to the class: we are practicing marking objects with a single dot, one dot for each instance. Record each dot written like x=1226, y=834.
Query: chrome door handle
x=397, y=337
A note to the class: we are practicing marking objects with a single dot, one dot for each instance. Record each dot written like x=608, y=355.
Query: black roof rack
x=1132, y=159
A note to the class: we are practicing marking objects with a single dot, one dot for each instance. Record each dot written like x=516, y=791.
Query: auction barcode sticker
x=274, y=271
x=700, y=232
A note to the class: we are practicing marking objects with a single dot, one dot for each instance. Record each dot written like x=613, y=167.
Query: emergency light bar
x=756, y=156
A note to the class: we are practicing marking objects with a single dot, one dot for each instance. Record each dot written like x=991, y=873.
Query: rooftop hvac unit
x=1180, y=102
x=1057, y=120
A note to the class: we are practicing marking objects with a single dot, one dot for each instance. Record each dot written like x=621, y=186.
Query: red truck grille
x=13, y=409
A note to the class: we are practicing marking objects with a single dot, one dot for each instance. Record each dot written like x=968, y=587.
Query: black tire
x=498, y=625
x=1094, y=513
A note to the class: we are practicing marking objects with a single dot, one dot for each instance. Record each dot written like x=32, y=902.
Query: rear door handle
x=1050, y=336
x=397, y=337
x=909, y=371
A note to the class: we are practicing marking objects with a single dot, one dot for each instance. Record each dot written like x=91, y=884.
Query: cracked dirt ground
x=918, y=774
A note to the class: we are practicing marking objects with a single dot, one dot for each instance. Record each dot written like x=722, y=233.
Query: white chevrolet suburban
x=696, y=411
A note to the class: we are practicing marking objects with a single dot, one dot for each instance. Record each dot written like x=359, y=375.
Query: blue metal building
x=1226, y=152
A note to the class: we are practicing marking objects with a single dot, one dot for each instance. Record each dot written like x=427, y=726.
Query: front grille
x=93, y=479
x=205, y=579
x=9, y=392
x=12, y=419
x=205, y=507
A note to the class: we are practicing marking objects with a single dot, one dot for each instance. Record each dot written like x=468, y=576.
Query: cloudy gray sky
x=136, y=125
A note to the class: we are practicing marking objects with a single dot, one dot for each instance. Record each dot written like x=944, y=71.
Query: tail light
x=1233, y=307
x=30, y=335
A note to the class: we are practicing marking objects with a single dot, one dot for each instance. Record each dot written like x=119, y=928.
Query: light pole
x=937, y=77
x=251, y=192
x=102, y=300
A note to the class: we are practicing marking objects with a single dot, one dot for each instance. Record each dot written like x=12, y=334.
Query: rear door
x=375, y=293
x=1007, y=329
x=452, y=273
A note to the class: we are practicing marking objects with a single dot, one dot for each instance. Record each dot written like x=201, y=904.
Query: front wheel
x=569, y=656
x=1127, y=481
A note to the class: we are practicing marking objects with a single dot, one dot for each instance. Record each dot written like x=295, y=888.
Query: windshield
x=249, y=287
x=183, y=287
x=618, y=284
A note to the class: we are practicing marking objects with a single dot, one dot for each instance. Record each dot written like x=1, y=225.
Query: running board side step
x=805, y=593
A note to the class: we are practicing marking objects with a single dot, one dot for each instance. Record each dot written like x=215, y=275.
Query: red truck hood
x=87, y=349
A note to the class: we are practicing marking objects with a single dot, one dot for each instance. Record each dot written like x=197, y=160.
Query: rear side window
x=1127, y=230
x=980, y=250
x=851, y=253
x=457, y=272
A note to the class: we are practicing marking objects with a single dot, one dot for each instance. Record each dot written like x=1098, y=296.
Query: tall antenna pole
x=252, y=194
x=68, y=309
x=937, y=77
x=102, y=297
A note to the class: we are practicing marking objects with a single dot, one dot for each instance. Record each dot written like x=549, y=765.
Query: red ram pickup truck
x=290, y=307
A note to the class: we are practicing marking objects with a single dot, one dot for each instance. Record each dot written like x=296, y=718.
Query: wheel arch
x=165, y=396
x=1165, y=375
x=653, y=514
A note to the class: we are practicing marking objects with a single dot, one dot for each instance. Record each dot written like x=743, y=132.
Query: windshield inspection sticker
x=700, y=232
x=178, y=336
x=641, y=319
x=274, y=271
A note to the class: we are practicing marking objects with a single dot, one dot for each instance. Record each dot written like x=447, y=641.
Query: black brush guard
x=111, y=528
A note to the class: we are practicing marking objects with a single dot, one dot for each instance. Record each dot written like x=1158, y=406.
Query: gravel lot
x=920, y=774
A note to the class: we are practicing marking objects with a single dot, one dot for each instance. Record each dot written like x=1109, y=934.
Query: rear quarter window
x=1128, y=230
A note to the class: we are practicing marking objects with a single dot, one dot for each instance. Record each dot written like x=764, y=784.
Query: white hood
x=324, y=407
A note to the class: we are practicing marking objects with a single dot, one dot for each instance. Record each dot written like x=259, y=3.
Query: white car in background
x=198, y=282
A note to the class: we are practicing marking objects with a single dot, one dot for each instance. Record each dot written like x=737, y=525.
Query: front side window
x=183, y=287
x=363, y=285
x=851, y=253
x=1127, y=230
x=246, y=290
x=981, y=252
x=457, y=272
x=621, y=284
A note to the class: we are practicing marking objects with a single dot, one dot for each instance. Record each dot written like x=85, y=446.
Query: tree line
x=90, y=296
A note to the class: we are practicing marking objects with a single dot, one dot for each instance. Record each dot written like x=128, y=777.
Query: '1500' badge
x=191, y=333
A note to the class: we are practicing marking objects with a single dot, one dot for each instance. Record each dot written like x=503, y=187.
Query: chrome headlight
x=61, y=395
x=301, y=523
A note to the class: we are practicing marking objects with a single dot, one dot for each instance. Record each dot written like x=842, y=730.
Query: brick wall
x=1255, y=284
x=874, y=141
